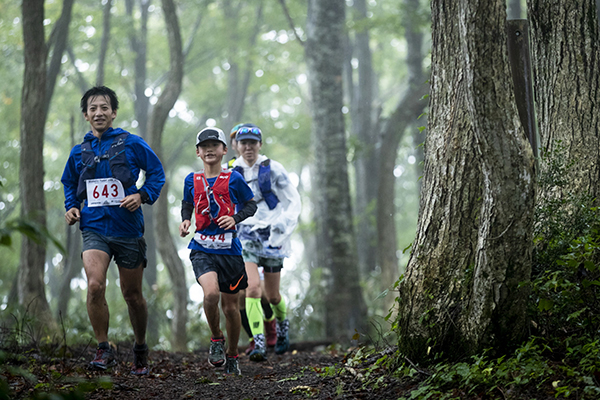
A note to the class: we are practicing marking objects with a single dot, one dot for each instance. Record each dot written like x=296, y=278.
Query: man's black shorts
x=230, y=269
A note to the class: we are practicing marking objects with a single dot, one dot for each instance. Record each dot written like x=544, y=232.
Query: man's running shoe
x=271, y=332
x=232, y=367
x=140, y=361
x=216, y=353
x=105, y=358
x=250, y=347
x=283, y=340
x=260, y=350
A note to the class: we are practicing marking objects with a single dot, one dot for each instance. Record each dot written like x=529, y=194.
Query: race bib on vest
x=104, y=192
x=220, y=241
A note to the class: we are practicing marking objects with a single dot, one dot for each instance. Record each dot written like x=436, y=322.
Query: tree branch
x=291, y=22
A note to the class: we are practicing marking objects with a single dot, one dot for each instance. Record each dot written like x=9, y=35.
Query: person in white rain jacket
x=265, y=237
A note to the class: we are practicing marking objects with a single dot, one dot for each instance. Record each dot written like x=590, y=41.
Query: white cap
x=211, y=134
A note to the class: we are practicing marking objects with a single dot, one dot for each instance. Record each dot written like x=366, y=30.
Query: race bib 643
x=104, y=192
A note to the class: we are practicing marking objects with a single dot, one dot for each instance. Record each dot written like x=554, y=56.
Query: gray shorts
x=128, y=252
x=270, y=264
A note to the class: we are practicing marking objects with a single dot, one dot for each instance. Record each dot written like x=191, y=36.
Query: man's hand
x=184, y=228
x=72, y=216
x=226, y=222
x=132, y=202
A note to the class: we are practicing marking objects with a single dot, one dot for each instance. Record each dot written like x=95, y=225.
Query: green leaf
x=545, y=304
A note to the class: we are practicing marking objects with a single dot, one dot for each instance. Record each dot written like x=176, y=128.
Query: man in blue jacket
x=102, y=173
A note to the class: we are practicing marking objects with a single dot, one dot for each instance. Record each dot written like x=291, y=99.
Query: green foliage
x=34, y=231
x=565, y=277
x=564, y=357
x=529, y=370
x=24, y=363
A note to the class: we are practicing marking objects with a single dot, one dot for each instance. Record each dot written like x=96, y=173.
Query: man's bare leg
x=95, y=264
x=131, y=287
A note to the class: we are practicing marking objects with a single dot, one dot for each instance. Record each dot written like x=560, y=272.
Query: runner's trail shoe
x=105, y=358
x=271, y=332
x=140, y=361
x=260, y=350
x=216, y=353
x=283, y=341
x=232, y=367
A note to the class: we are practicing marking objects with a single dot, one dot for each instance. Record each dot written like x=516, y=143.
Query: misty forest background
x=241, y=62
x=428, y=222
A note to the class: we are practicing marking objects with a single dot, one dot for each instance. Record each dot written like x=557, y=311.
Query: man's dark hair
x=100, y=91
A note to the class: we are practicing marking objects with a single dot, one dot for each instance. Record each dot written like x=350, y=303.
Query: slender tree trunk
x=240, y=71
x=473, y=245
x=138, y=41
x=57, y=44
x=31, y=287
x=566, y=64
x=104, y=43
x=73, y=263
x=367, y=142
x=166, y=247
x=408, y=109
x=345, y=308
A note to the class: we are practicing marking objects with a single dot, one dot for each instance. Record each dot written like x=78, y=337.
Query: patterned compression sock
x=255, y=315
x=280, y=310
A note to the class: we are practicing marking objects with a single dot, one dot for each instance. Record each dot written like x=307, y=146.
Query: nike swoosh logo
x=232, y=287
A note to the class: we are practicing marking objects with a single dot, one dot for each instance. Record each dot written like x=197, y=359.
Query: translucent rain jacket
x=268, y=232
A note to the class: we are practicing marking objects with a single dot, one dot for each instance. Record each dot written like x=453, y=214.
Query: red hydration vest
x=220, y=194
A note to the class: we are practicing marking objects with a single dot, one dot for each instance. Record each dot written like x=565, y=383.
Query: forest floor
x=307, y=371
x=303, y=372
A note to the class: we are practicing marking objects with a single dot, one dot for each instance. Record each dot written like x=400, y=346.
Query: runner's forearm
x=246, y=212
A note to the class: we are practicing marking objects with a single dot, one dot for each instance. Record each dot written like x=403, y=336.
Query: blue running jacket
x=113, y=220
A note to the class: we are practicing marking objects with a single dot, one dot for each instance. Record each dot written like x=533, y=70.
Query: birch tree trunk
x=566, y=64
x=165, y=244
x=30, y=284
x=345, y=310
x=473, y=244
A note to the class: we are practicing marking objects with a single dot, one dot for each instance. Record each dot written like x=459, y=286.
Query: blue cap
x=248, y=131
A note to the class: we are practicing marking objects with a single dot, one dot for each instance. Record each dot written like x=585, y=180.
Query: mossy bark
x=461, y=290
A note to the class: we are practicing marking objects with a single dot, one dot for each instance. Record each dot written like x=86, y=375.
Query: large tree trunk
x=409, y=108
x=566, y=64
x=31, y=287
x=345, y=308
x=166, y=247
x=473, y=245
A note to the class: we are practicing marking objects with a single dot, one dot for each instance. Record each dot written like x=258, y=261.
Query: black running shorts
x=230, y=269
